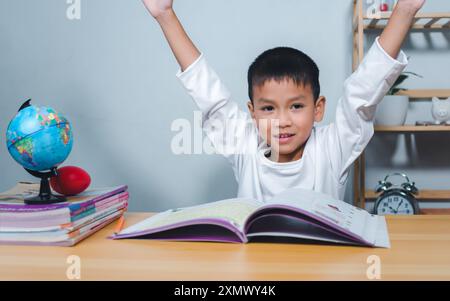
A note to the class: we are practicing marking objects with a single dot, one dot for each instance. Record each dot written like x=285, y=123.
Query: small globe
x=39, y=138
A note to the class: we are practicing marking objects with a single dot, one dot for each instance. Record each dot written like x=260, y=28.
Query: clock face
x=395, y=204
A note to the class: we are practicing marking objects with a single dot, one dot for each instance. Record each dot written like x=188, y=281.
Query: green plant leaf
x=400, y=79
x=412, y=73
x=394, y=91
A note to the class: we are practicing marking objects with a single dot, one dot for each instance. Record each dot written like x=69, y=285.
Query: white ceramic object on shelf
x=441, y=110
x=392, y=111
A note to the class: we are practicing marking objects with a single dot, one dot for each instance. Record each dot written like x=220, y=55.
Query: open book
x=295, y=213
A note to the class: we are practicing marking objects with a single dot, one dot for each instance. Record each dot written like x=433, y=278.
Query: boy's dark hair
x=284, y=63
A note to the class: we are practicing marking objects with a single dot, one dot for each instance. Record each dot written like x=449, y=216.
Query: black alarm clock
x=396, y=199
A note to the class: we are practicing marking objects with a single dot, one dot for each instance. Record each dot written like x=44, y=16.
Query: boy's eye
x=267, y=109
x=297, y=106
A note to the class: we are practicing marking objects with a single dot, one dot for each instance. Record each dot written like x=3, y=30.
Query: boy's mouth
x=287, y=135
x=284, y=138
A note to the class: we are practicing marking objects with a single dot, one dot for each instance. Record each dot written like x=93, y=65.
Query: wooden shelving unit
x=423, y=196
x=423, y=21
x=404, y=129
x=363, y=22
x=425, y=93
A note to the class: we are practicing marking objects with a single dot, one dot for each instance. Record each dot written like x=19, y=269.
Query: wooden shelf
x=423, y=196
x=433, y=211
x=433, y=21
x=412, y=128
x=426, y=22
x=415, y=94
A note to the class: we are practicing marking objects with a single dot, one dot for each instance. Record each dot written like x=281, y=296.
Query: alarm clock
x=396, y=199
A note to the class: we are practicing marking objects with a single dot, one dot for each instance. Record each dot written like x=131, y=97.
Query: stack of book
x=62, y=224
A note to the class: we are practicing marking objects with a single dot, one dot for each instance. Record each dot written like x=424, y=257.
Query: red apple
x=71, y=180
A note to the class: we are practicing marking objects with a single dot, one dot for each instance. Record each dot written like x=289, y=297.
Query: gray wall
x=113, y=76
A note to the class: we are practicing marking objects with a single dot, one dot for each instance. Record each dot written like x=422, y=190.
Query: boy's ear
x=251, y=108
x=319, y=109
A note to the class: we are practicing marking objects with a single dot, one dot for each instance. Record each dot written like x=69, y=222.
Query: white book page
x=302, y=236
x=339, y=213
x=234, y=211
x=382, y=236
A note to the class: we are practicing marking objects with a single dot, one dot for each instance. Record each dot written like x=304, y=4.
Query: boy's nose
x=284, y=120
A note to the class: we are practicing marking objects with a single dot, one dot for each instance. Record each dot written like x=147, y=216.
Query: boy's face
x=284, y=107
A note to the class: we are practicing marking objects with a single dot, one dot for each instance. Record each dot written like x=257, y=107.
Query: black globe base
x=45, y=193
x=45, y=200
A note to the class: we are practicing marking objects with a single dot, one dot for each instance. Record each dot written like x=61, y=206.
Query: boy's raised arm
x=223, y=122
x=182, y=47
x=366, y=88
x=398, y=26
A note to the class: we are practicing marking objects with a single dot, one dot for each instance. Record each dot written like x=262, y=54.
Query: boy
x=281, y=148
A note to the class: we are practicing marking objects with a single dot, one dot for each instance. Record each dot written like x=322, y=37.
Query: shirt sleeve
x=227, y=127
x=363, y=91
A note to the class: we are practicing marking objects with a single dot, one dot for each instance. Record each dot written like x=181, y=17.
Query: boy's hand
x=157, y=8
x=414, y=5
x=397, y=29
x=182, y=47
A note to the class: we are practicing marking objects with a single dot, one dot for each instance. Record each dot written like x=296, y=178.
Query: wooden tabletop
x=420, y=251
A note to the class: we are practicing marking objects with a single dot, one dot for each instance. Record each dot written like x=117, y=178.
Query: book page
x=338, y=214
x=233, y=211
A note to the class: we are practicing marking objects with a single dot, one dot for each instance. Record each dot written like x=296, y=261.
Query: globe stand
x=45, y=194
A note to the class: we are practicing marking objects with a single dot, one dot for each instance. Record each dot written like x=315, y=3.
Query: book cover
x=13, y=199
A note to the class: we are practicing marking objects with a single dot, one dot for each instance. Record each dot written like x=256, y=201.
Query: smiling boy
x=281, y=147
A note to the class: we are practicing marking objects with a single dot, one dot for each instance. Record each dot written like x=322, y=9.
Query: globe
x=39, y=138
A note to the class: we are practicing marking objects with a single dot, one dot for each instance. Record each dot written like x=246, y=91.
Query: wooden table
x=420, y=251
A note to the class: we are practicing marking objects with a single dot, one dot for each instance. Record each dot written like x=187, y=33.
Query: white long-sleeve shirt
x=329, y=151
